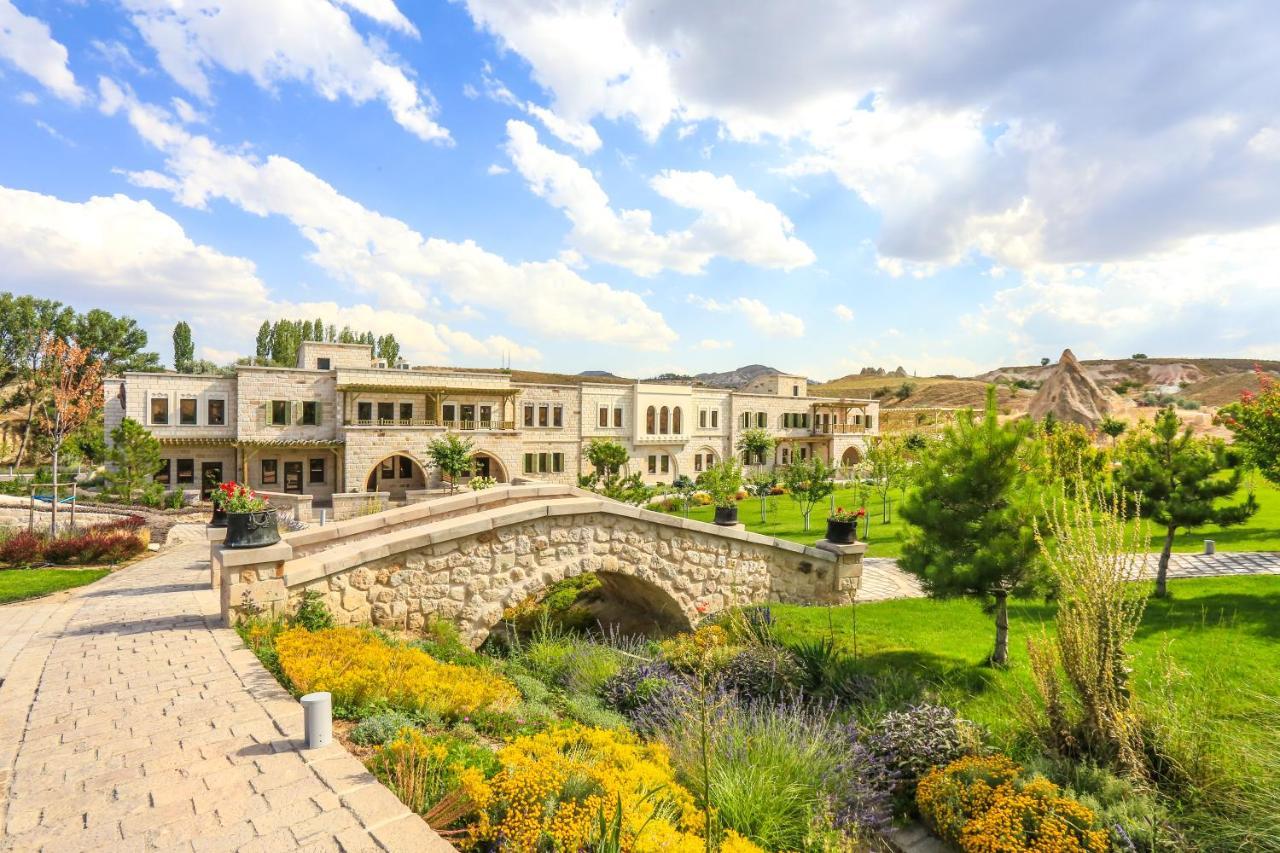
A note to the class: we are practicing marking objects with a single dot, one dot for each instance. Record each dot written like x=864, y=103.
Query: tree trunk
x=26, y=431
x=1162, y=574
x=763, y=508
x=806, y=518
x=53, y=507
x=884, y=500
x=1000, y=656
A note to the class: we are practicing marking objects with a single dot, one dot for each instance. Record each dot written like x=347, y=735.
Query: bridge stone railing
x=469, y=567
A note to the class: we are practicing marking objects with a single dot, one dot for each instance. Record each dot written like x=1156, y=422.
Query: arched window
x=676, y=421
x=664, y=421
x=648, y=421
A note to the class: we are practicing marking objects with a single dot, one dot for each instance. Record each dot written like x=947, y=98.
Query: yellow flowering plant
x=363, y=671
x=949, y=796
x=556, y=788
x=705, y=650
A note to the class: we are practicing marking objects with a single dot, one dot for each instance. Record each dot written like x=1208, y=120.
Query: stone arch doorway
x=396, y=474
x=488, y=465
x=852, y=456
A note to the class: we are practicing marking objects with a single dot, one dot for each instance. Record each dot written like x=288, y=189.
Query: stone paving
x=882, y=579
x=128, y=722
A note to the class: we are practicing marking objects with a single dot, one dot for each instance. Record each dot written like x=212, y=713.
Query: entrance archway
x=851, y=457
x=396, y=474
x=488, y=465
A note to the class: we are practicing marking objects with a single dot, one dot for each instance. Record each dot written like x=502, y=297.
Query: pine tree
x=1180, y=480
x=972, y=516
x=134, y=458
x=263, y=351
x=184, y=350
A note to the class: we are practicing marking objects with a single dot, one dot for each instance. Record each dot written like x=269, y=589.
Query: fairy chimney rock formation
x=1070, y=395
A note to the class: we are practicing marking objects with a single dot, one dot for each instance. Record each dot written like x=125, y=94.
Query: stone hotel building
x=342, y=422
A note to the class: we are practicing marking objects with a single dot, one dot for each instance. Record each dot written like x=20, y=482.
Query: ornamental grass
x=363, y=671
x=557, y=788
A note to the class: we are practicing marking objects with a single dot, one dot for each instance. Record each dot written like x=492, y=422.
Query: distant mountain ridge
x=728, y=379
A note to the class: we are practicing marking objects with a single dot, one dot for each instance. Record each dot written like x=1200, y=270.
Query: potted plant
x=842, y=525
x=217, y=497
x=722, y=482
x=250, y=522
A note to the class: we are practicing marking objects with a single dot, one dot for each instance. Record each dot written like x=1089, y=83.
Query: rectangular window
x=544, y=414
x=746, y=420
x=786, y=420
x=528, y=416
x=364, y=411
x=316, y=470
x=216, y=412
x=666, y=464
x=528, y=463
x=310, y=413
x=762, y=420
x=715, y=419
x=406, y=467
x=486, y=417
x=187, y=411
x=387, y=470
x=543, y=463
x=322, y=364
x=279, y=410
x=186, y=470
x=604, y=416
x=557, y=463
x=617, y=417
x=160, y=416
x=697, y=461
x=162, y=474
x=653, y=464
x=449, y=412
x=386, y=411
x=557, y=416
x=795, y=390
x=268, y=472
x=406, y=411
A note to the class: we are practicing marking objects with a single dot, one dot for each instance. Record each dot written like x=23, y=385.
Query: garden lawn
x=19, y=584
x=1221, y=636
x=1260, y=533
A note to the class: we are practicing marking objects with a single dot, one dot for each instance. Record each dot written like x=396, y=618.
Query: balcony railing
x=432, y=422
x=839, y=429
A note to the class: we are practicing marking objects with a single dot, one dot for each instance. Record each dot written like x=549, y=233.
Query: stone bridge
x=467, y=558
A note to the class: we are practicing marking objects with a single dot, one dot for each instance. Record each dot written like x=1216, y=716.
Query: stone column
x=251, y=576
x=848, y=573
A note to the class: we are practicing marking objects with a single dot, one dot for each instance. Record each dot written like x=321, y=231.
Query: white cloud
x=140, y=260
x=713, y=344
x=732, y=222
x=579, y=134
x=497, y=169
x=1054, y=134
x=384, y=256
x=28, y=44
x=308, y=41
x=774, y=324
x=187, y=113
x=844, y=312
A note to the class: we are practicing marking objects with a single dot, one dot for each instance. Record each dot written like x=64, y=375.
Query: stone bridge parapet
x=468, y=568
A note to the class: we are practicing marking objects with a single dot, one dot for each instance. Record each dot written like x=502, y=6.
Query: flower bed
x=112, y=542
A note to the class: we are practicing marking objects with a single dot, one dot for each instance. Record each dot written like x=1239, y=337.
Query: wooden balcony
x=432, y=423
x=839, y=429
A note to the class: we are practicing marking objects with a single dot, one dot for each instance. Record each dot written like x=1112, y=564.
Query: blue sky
x=653, y=187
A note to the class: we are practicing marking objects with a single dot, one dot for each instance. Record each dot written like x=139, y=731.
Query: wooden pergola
x=433, y=398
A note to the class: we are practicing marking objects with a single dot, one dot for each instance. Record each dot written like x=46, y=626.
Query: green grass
x=1260, y=533
x=20, y=584
x=1222, y=635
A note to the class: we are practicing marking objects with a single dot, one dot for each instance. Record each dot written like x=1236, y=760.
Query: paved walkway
x=127, y=722
x=882, y=579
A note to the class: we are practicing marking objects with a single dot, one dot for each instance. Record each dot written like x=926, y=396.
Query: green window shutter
x=270, y=413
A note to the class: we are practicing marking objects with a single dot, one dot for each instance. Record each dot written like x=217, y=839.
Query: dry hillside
x=926, y=391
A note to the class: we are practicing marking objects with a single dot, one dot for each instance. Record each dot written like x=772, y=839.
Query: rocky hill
x=1070, y=396
x=727, y=379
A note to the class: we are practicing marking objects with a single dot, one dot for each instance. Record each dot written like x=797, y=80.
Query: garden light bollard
x=1210, y=547
x=317, y=714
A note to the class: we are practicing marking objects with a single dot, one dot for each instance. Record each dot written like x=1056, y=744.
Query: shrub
x=431, y=775
x=554, y=787
x=362, y=671
x=589, y=711
x=24, y=548
x=380, y=728
x=911, y=742
x=705, y=650
x=532, y=689
x=441, y=640
x=587, y=667
x=634, y=689
x=313, y=614
x=760, y=672
x=949, y=797
x=861, y=789
x=1033, y=815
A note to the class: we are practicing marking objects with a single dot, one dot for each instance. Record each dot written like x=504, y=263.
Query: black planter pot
x=841, y=532
x=251, y=529
x=726, y=516
x=219, y=517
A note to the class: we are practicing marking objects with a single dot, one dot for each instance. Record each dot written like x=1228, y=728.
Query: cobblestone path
x=127, y=722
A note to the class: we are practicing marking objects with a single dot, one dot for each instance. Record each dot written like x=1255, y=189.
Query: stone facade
x=471, y=567
x=338, y=424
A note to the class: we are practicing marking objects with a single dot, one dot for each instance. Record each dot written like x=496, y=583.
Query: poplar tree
x=971, y=518
x=184, y=350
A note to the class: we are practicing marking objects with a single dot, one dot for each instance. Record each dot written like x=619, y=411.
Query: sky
x=660, y=186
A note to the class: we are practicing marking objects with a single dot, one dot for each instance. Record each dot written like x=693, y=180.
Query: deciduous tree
x=1181, y=481
x=184, y=349
x=756, y=445
x=971, y=516
x=1255, y=420
x=453, y=455
x=807, y=483
x=75, y=384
